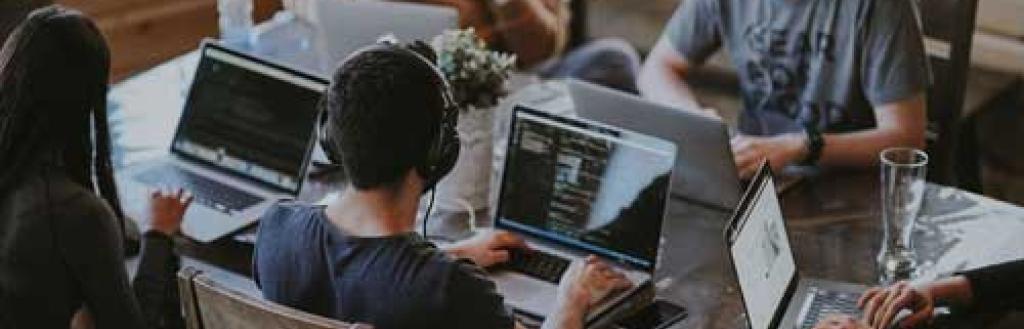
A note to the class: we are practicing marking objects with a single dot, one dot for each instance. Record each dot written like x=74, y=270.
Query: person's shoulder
x=289, y=213
x=58, y=196
x=66, y=204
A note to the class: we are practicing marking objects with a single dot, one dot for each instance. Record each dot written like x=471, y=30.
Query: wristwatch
x=815, y=142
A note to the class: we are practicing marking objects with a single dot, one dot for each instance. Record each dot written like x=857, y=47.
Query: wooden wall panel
x=143, y=33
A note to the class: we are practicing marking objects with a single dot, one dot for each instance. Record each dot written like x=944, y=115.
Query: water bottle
x=235, y=21
x=289, y=39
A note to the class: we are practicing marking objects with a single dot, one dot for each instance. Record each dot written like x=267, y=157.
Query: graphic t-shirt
x=824, y=63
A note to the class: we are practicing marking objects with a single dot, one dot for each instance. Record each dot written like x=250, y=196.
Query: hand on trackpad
x=591, y=281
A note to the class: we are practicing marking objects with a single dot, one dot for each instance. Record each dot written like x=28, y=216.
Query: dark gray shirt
x=825, y=63
x=395, y=282
x=60, y=250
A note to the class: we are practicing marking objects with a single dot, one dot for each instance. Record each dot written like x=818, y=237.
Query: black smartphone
x=658, y=315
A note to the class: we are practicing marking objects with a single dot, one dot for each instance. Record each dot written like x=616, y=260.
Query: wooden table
x=833, y=217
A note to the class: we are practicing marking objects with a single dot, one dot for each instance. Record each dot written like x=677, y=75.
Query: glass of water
x=903, y=185
x=235, y=22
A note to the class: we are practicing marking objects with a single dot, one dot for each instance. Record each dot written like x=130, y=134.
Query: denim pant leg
x=609, y=62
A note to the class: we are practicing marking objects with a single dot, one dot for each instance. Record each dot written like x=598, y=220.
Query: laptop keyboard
x=538, y=264
x=207, y=192
x=823, y=303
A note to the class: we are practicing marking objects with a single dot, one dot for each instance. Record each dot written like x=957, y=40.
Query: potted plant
x=478, y=79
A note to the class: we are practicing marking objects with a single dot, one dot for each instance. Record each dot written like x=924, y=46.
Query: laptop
x=704, y=172
x=243, y=141
x=774, y=294
x=345, y=26
x=573, y=188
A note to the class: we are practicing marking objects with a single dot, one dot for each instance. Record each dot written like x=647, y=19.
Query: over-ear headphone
x=443, y=150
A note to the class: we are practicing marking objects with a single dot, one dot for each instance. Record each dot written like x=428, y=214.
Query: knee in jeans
x=615, y=50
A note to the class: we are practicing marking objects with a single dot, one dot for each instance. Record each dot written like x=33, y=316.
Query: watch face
x=815, y=142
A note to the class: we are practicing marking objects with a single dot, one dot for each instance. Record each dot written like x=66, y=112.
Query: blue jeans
x=609, y=62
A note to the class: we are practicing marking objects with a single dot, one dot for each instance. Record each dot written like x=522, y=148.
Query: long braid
x=103, y=168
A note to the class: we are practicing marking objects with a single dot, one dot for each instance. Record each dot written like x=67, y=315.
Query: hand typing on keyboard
x=167, y=209
x=487, y=248
x=898, y=306
x=588, y=282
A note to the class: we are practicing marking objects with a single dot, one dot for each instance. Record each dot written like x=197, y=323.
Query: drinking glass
x=235, y=22
x=903, y=185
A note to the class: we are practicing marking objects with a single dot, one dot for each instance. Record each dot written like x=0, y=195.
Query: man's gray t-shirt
x=825, y=63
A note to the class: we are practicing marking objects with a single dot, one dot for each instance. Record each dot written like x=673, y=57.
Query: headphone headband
x=443, y=150
x=389, y=47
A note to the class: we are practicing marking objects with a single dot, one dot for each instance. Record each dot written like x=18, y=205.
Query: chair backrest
x=948, y=27
x=578, y=23
x=211, y=305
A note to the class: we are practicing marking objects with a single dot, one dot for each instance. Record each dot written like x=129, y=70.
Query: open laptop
x=705, y=171
x=243, y=141
x=345, y=26
x=774, y=294
x=574, y=188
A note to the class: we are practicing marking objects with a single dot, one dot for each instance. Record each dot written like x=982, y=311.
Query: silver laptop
x=345, y=26
x=705, y=171
x=774, y=293
x=574, y=188
x=243, y=142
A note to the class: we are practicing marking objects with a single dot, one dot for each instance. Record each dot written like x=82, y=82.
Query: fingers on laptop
x=882, y=305
x=184, y=197
x=900, y=297
x=873, y=304
x=836, y=321
x=507, y=240
x=603, y=279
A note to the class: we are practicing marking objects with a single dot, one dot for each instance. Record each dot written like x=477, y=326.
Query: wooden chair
x=209, y=304
x=948, y=27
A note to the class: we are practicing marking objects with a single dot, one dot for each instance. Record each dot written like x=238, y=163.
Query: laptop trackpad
x=525, y=293
x=205, y=224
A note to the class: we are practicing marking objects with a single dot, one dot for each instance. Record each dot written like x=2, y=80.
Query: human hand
x=488, y=247
x=836, y=321
x=781, y=150
x=167, y=209
x=881, y=305
x=588, y=282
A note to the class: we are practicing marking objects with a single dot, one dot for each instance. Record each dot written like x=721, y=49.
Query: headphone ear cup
x=443, y=154
x=325, y=140
x=449, y=152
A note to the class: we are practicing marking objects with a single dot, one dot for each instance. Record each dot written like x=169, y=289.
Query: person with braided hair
x=61, y=223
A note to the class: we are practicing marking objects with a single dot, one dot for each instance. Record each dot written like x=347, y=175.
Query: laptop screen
x=759, y=246
x=586, y=185
x=250, y=117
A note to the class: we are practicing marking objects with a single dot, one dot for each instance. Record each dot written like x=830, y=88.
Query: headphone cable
x=426, y=217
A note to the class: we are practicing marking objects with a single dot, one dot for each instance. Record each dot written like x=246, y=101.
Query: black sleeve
x=474, y=301
x=155, y=286
x=998, y=287
x=92, y=246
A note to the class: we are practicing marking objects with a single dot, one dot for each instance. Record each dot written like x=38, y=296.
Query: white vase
x=466, y=188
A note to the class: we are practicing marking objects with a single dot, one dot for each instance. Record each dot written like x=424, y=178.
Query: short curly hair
x=384, y=109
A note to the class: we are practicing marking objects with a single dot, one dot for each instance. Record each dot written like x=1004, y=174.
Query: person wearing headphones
x=996, y=288
x=389, y=121
x=61, y=224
